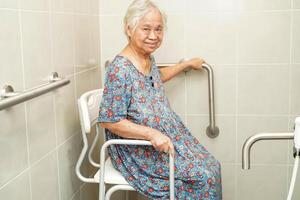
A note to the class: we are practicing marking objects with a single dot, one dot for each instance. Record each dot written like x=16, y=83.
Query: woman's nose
x=152, y=35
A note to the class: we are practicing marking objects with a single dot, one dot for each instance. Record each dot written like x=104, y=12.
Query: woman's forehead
x=153, y=17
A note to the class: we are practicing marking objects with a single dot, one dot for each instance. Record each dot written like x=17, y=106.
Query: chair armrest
x=133, y=142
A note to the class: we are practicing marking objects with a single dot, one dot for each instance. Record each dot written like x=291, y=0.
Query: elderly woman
x=134, y=105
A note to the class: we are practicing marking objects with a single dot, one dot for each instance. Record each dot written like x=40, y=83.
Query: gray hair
x=137, y=10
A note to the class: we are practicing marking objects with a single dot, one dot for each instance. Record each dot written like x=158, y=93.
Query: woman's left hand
x=195, y=63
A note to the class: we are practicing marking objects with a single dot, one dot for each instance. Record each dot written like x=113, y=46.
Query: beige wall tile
x=36, y=48
x=67, y=122
x=41, y=126
x=113, y=39
x=263, y=89
x=44, y=179
x=117, y=7
x=201, y=5
x=40, y=5
x=197, y=92
x=95, y=41
x=13, y=145
x=17, y=189
x=172, y=48
x=261, y=183
x=63, y=43
x=9, y=4
x=94, y=7
x=296, y=4
x=295, y=86
x=267, y=151
x=228, y=181
x=62, y=5
x=296, y=37
x=170, y=6
x=175, y=91
x=82, y=6
x=83, y=83
x=264, y=5
x=216, y=43
x=10, y=49
x=83, y=47
x=68, y=155
x=264, y=37
x=224, y=91
x=224, y=146
x=89, y=192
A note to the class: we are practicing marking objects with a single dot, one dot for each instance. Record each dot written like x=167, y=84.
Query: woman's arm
x=128, y=129
x=168, y=73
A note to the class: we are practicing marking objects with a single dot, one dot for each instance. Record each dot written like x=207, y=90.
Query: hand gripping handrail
x=10, y=98
x=212, y=130
x=261, y=136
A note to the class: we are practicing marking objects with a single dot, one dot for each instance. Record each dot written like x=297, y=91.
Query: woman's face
x=148, y=34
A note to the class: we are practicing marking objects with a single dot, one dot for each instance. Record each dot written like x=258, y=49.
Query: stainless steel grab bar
x=212, y=130
x=261, y=136
x=10, y=98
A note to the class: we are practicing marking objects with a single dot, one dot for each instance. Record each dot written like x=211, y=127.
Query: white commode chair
x=88, y=105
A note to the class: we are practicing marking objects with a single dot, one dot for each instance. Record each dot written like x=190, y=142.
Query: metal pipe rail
x=131, y=142
x=10, y=98
x=261, y=136
x=212, y=130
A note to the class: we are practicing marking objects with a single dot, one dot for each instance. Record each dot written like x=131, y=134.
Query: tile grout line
x=54, y=99
x=289, y=149
x=25, y=104
x=236, y=104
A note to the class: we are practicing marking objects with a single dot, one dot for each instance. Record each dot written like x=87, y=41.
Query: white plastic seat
x=111, y=176
x=88, y=105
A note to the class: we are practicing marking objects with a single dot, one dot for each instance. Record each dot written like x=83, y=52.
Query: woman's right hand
x=161, y=142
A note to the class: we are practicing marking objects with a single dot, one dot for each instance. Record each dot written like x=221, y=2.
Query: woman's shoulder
x=119, y=65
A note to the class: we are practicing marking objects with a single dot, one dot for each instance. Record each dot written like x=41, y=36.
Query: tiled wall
x=254, y=48
x=40, y=140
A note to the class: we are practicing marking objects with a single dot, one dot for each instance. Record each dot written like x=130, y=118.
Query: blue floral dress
x=129, y=94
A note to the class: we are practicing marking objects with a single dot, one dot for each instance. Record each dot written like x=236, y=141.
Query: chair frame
x=86, y=124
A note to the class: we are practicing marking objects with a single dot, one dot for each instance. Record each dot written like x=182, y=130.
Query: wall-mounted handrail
x=260, y=136
x=212, y=130
x=10, y=98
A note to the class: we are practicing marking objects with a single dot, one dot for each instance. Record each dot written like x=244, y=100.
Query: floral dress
x=129, y=94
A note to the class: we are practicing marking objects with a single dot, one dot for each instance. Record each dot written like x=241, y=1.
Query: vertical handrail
x=212, y=130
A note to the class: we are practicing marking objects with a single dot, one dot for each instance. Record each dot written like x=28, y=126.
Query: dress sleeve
x=116, y=94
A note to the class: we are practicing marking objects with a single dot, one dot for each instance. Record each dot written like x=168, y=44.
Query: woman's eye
x=147, y=29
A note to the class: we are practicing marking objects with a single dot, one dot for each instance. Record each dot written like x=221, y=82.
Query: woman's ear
x=128, y=32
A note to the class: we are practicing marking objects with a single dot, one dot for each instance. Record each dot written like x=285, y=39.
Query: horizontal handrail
x=260, y=136
x=212, y=130
x=10, y=98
